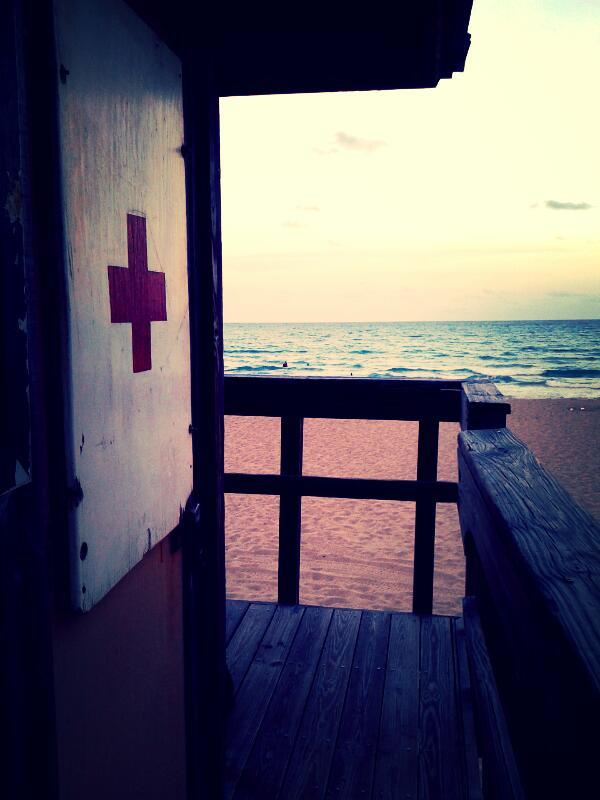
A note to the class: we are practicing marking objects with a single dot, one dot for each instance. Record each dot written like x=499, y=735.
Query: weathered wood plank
x=264, y=771
x=553, y=538
x=536, y=579
x=245, y=641
x=342, y=398
x=290, y=512
x=310, y=761
x=235, y=610
x=427, y=461
x=256, y=689
x=397, y=755
x=469, y=731
x=502, y=779
x=482, y=406
x=351, y=488
x=352, y=768
x=440, y=756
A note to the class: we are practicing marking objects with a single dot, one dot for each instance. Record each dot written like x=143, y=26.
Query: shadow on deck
x=338, y=703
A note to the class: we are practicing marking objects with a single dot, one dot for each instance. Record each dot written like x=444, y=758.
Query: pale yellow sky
x=479, y=199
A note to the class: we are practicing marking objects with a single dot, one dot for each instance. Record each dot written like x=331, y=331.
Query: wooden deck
x=347, y=704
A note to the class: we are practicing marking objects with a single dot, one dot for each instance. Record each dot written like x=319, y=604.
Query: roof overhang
x=331, y=48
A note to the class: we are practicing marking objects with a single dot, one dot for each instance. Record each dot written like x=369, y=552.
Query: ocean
x=541, y=358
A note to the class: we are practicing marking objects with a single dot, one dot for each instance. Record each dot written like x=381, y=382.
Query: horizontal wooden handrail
x=294, y=399
x=343, y=398
x=533, y=560
x=347, y=488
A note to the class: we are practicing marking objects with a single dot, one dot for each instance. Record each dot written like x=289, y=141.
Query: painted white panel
x=121, y=130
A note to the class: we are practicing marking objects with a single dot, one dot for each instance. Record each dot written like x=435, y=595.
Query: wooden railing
x=294, y=399
x=533, y=563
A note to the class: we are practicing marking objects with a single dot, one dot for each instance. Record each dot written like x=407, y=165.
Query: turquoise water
x=524, y=359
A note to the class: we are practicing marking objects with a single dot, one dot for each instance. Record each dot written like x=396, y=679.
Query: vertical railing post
x=482, y=406
x=427, y=460
x=290, y=512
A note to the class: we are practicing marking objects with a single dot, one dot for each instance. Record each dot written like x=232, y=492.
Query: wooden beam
x=427, y=460
x=349, y=488
x=342, y=398
x=206, y=681
x=290, y=512
x=482, y=406
x=538, y=569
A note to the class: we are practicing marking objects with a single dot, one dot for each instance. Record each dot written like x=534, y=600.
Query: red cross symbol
x=137, y=295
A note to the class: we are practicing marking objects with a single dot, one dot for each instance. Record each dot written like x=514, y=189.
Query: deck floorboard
x=345, y=704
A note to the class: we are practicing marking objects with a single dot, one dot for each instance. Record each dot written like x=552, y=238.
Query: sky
x=479, y=199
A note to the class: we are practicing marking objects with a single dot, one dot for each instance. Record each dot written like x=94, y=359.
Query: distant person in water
x=284, y=364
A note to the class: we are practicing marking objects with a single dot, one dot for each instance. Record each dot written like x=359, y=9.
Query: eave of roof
x=398, y=45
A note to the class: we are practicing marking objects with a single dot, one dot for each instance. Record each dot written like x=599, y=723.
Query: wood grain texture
x=342, y=398
x=554, y=539
x=352, y=768
x=397, y=756
x=500, y=768
x=465, y=693
x=536, y=582
x=256, y=691
x=235, y=613
x=482, y=406
x=245, y=641
x=264, y=771
x=309, y=764
x=440, y=757
x=347, y=714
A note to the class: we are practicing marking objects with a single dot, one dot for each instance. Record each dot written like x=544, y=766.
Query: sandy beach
x=359, y=553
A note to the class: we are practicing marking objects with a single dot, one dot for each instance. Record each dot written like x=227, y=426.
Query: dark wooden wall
x=28, y=754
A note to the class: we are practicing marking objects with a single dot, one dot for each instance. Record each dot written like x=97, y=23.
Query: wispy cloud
x=308, y=208
x=347, y=141
x=350, y=142
x=293, y=223
x=595, y=298
x=558, y=205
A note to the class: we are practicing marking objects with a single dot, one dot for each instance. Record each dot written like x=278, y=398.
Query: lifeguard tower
x=125, y=672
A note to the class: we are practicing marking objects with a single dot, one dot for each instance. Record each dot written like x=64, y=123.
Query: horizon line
x=403, y=321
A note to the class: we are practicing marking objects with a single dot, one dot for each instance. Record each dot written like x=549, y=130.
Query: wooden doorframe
x=28, y=150
x=203, y=530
